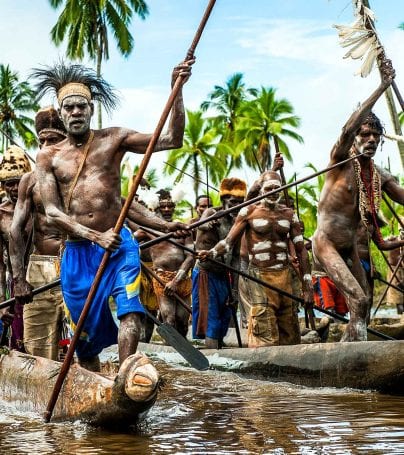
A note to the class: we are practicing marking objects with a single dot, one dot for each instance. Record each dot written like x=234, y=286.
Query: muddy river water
x=223, y=413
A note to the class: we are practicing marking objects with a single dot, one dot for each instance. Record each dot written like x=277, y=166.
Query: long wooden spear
x=142, y=168
x=221, y=213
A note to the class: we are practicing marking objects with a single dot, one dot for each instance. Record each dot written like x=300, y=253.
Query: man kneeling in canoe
x=79, y=183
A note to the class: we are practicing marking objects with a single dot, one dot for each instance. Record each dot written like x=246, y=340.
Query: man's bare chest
x=69, y=167
x=270, y=224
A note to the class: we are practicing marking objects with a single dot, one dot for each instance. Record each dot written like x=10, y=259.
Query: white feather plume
x=363, y=41
x=178, y=193
x=150, y=198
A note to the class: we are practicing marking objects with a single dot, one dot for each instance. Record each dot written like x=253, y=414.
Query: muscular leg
x=182, y=317
x=341, y=275
x=128, y=335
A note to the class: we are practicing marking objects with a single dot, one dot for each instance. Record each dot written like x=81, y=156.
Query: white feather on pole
x=178, y=193
x=394, y=137
x=363, y=41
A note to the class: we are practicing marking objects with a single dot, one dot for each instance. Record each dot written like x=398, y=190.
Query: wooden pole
x=142, y=168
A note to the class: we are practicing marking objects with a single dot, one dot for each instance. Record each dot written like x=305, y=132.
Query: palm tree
x=227, y=100
x=17, y=99
x=196, y=154
x=262, y=120
x=309, y=196
x=127, y=174
x=85, y=23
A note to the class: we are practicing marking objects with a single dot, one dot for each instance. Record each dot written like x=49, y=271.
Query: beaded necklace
x=370, y=193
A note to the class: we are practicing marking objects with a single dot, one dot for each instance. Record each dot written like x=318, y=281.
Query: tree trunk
x=99, y=59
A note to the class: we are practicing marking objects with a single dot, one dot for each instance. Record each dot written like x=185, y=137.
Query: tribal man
x=14, y=165
x=351, y=193
x=172, y=264
x=43, y=318
x=211, y=285
x=79, y=184
x=267, y=225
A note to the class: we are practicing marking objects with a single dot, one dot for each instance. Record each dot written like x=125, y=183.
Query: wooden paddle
x=121, y=219
x=171, y=336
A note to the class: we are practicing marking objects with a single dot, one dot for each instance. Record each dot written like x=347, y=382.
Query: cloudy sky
x=287, y=44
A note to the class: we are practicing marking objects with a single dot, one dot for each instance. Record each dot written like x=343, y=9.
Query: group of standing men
x=70, y=204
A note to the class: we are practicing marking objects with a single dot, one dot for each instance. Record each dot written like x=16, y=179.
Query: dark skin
x=47, y=238
x=210, y=233
x=167, y=256
x=6, y=217
x=96, y=200
x=202, y=205
x=334, y=242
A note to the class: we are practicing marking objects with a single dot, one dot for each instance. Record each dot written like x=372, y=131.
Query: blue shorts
x=121, y=280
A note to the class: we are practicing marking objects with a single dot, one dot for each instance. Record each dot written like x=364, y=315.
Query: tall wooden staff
x=142, y=168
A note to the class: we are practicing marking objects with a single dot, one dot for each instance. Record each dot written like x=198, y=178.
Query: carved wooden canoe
x=27, y=383
x=375, y=365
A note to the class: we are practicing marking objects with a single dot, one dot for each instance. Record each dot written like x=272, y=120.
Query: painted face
x=367, y=140
x=47, y=138
x=231, y=201
x=203, y=204
x=11, y=188
x=76, y=114
x=270, y=185
x=166, y=208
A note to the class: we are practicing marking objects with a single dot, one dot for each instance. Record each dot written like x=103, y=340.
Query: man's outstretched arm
x=171, y=139
x=341, y=148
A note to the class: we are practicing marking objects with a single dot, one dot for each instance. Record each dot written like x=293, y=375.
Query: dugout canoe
x=375, y=365
x=111, y=401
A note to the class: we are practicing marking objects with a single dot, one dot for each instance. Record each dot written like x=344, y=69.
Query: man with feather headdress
x=79, y=183
x=351, y=194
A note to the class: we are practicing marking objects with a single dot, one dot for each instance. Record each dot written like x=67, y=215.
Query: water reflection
x=222, y=413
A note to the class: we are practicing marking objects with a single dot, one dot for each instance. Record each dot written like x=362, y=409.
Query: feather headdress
x=361, y=38
x=82, y=81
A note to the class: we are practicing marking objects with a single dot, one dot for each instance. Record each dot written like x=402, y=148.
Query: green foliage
x=17, y=103
x=85, y=24
x=263, y=120
x=127, y=174
x=197, y=153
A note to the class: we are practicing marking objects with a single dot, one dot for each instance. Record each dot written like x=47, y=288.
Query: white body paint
x=295, y=218
x=284, y=223
x=264, y=245
x=281, y=244
x=277, y=267
x=297, y=239
x=243, y=211
x=281, y=256
x=260, y=222
x=262, y=256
